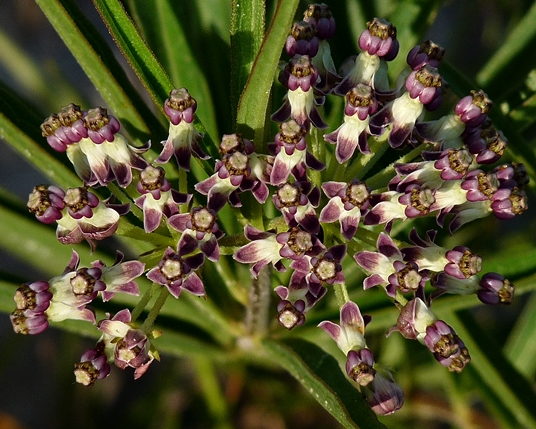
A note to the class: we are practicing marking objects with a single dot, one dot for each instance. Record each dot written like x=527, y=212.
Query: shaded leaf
x=321, y=376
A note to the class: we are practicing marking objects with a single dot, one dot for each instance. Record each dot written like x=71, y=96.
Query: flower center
x=289, y=317
x=172, y=269
x=300, y=241
x=82, y=283
x=488, y=183
x=231, y=143
x=325, y=269
x=70, y=114
x=357, y=194
x=481, y=100
x=459, y=160
x=96, y=118
x=291, y=132
x=39, y=200
x=422, y=199
x=202, y=219
x=506, y=293
x=76, y=199
x=360, y=96
x=302, y=30
x=381, y=28
x=433, y=51
x=151, y=178
x=237, y=163
x=180, y=99
x=470, y=264
x=429, y=77
x=85, y=373
x=289, y=195
x=25, y=298
x=447, y=345
x=301, y=66
x=408, y=278
x=362, y=373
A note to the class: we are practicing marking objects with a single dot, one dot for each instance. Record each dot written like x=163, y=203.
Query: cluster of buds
x=447, y=182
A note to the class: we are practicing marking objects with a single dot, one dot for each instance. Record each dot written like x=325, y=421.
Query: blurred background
x=37, y=388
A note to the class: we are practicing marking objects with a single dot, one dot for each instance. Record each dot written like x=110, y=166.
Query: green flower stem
x=259, y=301
x=382, y=178
x=318, y=149
x=341, y=293
x=153, y=314
x=140, y=306
x=367, y=236
x=400, y=299
x=210, y=387
x=231, y=282
x=126, y=229
x=333, y=170
x=362, y=165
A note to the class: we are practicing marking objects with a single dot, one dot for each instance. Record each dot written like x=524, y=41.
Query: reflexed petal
x=194, y=285
x=331, y=211
x=333, y=330
x=80, y=162
x=115, y=328
x=96, y=159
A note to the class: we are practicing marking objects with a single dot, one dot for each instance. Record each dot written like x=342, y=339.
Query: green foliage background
x=204, y=380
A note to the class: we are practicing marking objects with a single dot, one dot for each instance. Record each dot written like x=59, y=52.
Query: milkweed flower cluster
x=306, y=187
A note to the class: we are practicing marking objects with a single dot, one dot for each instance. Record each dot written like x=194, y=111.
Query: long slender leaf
x=497, y=372
x=247, y=33
x=252, y=108
x=20, y=127
x=96, y=58
x=509, y=61
x=320, y=375
x=183, y=66
x=151, y=74
x=521, y=346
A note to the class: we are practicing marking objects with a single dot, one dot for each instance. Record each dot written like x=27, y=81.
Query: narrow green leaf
x=100, y=65
x=57, y=172
x=34, y=78
x=183, y=67
x=320, y=375
x=496, y=371
x=140, y=57
x=253, y=105
x=521, y=346
x=517, y=261
x=135, y=50
x=411, y=19
x=247, y=33
x=509, y=62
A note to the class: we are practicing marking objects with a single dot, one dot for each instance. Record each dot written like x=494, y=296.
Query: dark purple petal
x=194, y=285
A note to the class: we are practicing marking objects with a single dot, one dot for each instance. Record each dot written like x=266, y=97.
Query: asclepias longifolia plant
x=313, y=217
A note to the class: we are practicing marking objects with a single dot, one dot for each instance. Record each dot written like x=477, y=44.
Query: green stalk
x=341, y=293
x=140, y=306
x=214, y=397
x=153, y=314
x=259, y=301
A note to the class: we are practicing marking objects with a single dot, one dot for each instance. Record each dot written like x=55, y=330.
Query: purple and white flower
x=387, y=268
x=183, y=138
x=347, y=203
x=177, y=273
x=199, y=230
x=158, y=199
